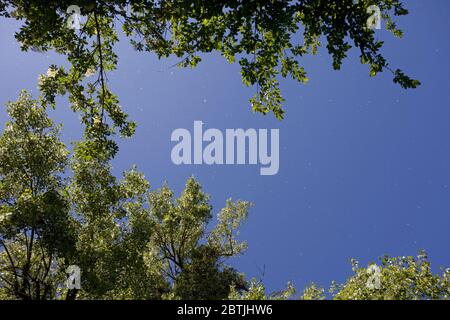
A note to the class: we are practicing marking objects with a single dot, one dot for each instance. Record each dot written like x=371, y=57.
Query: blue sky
x=364, y=164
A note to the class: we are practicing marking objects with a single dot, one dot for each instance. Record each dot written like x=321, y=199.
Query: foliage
x=257, y=291
x=186, y=254
x=313, y=292
x=130, y=242
x=133, y=243
x=402, y=278
x=267, y=38
x=36, y=230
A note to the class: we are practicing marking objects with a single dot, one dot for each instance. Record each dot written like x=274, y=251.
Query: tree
x=397, y=278
x=130, y=243
x=145, y=245
x=114, y=232
x=36, y=230
x=137, y=244
x=401, y=278
x=189, y=257
x=257, y=291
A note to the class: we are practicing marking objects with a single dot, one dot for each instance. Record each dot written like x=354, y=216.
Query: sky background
x=364, y=164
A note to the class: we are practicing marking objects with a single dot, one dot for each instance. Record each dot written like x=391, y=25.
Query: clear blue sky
x=364, y=165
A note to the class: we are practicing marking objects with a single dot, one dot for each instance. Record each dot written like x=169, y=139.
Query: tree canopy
x=131, y=241
x=267, y=38
x=128, y=241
